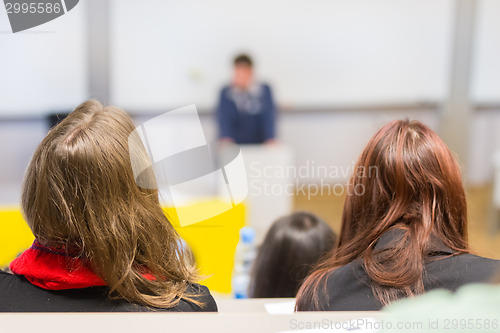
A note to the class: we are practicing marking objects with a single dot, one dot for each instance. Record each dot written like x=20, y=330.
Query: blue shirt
x=246, y=116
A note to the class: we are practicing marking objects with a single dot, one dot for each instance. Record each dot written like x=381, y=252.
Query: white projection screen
x=486, y=57
x=43, y=69
x=315, y=53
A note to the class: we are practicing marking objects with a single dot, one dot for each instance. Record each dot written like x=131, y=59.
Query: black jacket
x=348, y=287
x=18, y=295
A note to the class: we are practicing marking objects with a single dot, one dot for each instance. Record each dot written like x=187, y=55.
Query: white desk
x=173, y=322
x=252, y=305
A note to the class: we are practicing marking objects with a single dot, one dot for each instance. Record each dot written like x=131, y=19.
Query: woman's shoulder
x=8, y=279
x=18, y=295
x=467, y=267
x=452, y=272
x=344, y=288
x=478, y=259
x=347, y=274
x=201, y=294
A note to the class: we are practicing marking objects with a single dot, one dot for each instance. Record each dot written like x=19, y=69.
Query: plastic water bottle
x=243, y=260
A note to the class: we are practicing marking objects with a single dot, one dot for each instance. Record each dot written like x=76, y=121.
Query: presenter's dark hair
x=292, y=246
x=80, y=192
x=417, y=188
x=243, y=59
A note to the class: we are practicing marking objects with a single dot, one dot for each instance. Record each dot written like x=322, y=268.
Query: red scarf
x=54, y=269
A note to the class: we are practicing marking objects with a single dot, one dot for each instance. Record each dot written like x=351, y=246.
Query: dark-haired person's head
x=292, y=246
x=405, y=180
x=243, y=71
x=243, y=60
x=80, y=194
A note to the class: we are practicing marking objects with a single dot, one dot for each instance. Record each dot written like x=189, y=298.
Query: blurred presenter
x=246, y=112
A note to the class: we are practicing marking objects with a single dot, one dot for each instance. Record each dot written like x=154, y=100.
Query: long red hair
x=406, y=178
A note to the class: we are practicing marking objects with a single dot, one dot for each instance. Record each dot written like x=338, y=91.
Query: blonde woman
x=102, y=242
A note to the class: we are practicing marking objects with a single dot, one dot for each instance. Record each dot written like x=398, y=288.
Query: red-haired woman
x=404, y=227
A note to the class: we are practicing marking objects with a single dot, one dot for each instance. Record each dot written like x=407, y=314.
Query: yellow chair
x=212, y=241
x=15, y=235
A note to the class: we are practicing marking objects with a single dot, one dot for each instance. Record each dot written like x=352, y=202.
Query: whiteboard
x=486, y=55
x=315, y=53
x=43, y=69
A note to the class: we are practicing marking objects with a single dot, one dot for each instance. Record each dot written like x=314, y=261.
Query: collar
x=55, y=268
x=254, y=88
x=393, y=236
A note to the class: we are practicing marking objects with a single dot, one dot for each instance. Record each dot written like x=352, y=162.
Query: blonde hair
x=79, y=192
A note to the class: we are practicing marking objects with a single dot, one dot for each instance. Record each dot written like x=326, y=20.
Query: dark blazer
x=244, y=127
x=348, y=287
x=18, y=295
